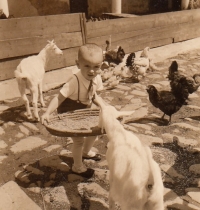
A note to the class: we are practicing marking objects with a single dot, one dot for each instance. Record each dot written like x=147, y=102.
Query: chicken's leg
x=163, y=116
x=170, y=118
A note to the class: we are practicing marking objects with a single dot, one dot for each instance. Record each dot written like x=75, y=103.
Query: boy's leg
x=88, y=144
x=77, y=151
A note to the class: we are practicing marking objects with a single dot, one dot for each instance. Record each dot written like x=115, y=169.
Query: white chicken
x=142, y=63
x=126, y=73
x=113, y=81
x=117, y=70
x=106, y=74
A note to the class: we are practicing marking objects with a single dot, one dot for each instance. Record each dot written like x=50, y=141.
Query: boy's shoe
x=83, y=171
x=97, y=157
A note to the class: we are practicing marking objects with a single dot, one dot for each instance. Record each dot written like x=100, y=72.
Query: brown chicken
x=177, y=83
x=166, y=101
x=114, y=56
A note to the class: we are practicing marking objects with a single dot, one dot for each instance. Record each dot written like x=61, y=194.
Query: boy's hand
x=44, y=117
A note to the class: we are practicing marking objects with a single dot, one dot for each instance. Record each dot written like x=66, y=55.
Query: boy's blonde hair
x=91, y=49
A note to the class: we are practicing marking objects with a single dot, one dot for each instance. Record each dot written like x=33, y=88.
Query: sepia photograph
x=99, y=105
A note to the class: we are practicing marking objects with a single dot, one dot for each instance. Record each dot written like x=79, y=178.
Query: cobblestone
x=37, y=166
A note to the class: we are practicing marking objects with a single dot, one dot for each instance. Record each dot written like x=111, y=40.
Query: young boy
x=77, y=93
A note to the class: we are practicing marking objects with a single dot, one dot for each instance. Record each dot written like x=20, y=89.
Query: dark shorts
x=70, y=105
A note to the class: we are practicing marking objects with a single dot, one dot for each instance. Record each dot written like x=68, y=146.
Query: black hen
x=166, y=101
x=114, y=56
x=177, y=82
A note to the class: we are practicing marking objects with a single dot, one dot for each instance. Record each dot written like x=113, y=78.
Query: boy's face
x=90, y=64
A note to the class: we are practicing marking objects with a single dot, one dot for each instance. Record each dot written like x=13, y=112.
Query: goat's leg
x=41, y=94
x=110, y=197
x=22, y=89
x=35, y=99
x=111, y=202
x=155, y=204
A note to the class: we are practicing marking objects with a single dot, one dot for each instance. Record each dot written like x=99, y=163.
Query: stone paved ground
x=35, y=166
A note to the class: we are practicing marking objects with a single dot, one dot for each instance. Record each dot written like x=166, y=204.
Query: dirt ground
x=181, y=157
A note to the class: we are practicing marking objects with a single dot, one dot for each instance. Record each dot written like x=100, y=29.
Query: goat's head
x=108, y=113
x=53, y=48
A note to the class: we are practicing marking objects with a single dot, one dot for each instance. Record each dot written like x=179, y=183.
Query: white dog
x=135, y=178
x=30, y=73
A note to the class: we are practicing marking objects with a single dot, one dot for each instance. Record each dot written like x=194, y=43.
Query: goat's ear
x=51, y=42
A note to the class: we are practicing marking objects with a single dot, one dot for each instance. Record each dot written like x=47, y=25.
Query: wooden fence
x=135, y=33
x=21, y=37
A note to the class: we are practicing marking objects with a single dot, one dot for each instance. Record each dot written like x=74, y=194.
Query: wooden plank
x=140, y=46
x=32, y=45
x=120, y=36
x=139, y=37
x=196, y=14
x=114, y=26
x=151, y=44
x=7, y=67
x=68, y=59
x=164, y=32
x=149, y=35
x=189, y=31
x=39, y=25
x=136, y=45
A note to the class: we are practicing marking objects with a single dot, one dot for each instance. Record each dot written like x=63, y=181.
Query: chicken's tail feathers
x=107, y=45
x=130, y=58
x=174, y=66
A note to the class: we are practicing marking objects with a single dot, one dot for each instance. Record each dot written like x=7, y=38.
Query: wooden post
x=83, y=27
x=116, y=6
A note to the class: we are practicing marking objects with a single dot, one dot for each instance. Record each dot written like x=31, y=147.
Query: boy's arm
x=54, y=104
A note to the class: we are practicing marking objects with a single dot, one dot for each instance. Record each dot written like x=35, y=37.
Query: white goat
x=30, y=73
x=135, y=178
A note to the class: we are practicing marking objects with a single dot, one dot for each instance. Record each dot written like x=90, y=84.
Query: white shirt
x=70, y=89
